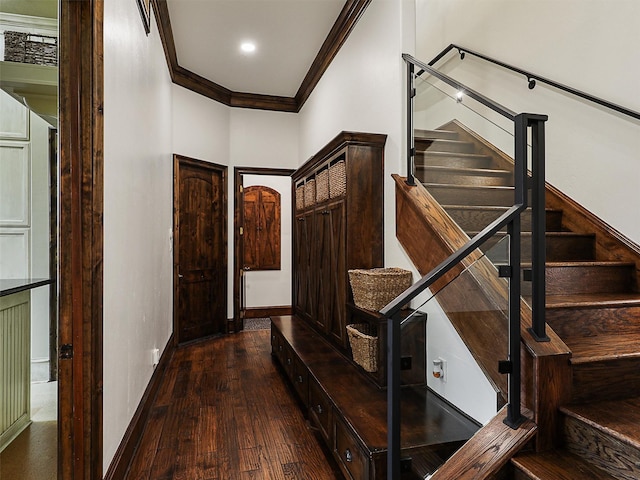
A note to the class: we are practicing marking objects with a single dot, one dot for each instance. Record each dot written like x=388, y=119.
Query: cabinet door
x=338, y=275
x=322, y=270
x=304, y=281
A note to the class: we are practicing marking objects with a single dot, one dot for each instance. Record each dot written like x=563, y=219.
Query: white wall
x=363, y=90
x=592, y=154
x=137, y=213
x=273, y=287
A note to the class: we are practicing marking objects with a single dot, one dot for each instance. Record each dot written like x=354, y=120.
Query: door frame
x=235, y=324
x=80, y=246
x=184, y=160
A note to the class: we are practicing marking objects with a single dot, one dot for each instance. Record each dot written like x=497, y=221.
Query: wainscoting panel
x=15, y=374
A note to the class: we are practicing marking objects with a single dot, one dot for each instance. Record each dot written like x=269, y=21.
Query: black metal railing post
x=411, y=146
x=514, y=414
x=538, y=229
x=393, y=396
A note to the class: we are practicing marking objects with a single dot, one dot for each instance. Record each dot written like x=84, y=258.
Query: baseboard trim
x=263, y=312
x=129, y=444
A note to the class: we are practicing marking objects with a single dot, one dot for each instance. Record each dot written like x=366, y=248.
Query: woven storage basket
x=363, y=346
x=310, y=193
x=300, y=197
x=337, y=179
x=29, y=48
x=322, y=185
x=373, y=289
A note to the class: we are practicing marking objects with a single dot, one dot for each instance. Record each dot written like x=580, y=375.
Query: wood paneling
x=265, y=312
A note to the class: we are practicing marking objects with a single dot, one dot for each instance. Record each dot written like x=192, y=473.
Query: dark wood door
x=200, y=256
x=261, y=228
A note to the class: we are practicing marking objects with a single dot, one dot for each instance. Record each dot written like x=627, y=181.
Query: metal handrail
x=533, y=77
x=487, y=102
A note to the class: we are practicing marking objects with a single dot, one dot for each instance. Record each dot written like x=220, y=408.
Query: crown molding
x=347, y=19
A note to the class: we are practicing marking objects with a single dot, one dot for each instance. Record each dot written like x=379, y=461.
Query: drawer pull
x=273, y=337
x=300, y=379
x=280, y=348
x=319, y=409
x=348, y=456
x=288, y=361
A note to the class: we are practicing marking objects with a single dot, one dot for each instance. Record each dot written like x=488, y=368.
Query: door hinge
x=241, y=189
x=66, y=351
x=241, y=230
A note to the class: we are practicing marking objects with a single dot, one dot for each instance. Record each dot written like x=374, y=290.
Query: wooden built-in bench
x=351, y=412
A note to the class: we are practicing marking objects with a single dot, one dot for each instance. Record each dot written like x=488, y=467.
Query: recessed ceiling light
x=248, y=47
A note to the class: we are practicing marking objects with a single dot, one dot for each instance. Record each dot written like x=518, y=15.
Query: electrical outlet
x=439, y=370
x=155, y=357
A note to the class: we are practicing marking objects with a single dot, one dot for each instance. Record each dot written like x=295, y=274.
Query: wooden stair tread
x=428, y=185
x=595, y=300
x=603, y=347
x=558, y=465
x=443, y=143
x=436, y=153
x=619, y=419
x=589, y=263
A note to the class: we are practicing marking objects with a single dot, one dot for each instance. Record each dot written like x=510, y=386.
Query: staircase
x=592, y=303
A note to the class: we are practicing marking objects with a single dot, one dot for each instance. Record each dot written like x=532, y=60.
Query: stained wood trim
x=264, y=312
x=235, y=324
x=340, y=141
x=53, y=254
x=133, y=435
x=81, y=238
x=487, y=451
x=344, y=24
x=183, y=160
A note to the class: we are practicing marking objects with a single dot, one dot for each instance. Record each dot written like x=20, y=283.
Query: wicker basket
x=322, y=185
x=300, y=197
x=373, y=289
x=310, y=193
x=363, y=346
x=337, y=179
x=30, y=48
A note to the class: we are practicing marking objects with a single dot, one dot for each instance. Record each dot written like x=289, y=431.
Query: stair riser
x=572, y=322
x=434, y=160
x=605, y=380
x=569, y=280
x=440, y=145
x=611, y=455
x=476, y=220
x=450, y=178
x=502, y=197
x=558, y=248
x=443, y=134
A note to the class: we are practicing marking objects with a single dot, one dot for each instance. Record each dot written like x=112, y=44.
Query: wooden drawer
x=300, y=380
x=320, y=409
x=351, y=457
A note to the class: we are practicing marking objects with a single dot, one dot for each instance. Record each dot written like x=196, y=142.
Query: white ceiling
x=288, y=35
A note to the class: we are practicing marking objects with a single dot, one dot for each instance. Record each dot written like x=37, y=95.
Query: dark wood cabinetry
x=338, y=226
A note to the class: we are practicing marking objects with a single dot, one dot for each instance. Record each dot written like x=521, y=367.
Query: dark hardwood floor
x=224, y=412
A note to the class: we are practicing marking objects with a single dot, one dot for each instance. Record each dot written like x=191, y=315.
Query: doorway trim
x=223, y=169
x=235, y=324
x=81, y=182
